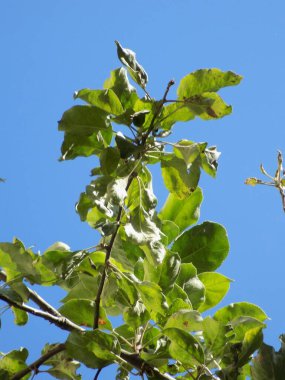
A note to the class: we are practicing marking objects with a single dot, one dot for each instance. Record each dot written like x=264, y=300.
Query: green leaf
x=86, y=288
x=177, y=293
x=21, y=317
x=136, y=315
x=184, y=347
x=152, y=297
x=81, y=312
x=251, y=342
x=14, y=257
x=106, y=100
x=191, y=284
x=170, y=230
x=205, y=245
x=215, y=335
x=169, y=270
x=95, y=349
x=13, y=362
x=174, y=113
x=269, y=364
x=206, y=80
x=83, y=120
x=140, y=192
x=139, y=269
x=128, y=58
x=235, y=310
x=75, y=145
x=216, y=287
x=208, y=106
x=176, y=178
x=186, y=320
x=241, y=325
x=109, y=160
x=143, y=231
x=184, y=212
x=188, y=150
x=61, y=366
x=125, y=146
x=209, y=160
x=121, y=86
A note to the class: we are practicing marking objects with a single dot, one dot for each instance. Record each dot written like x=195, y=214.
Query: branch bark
x=144, y=367
x=159, y=108
x=59, y=321
x=36, y=298
x=36, y=364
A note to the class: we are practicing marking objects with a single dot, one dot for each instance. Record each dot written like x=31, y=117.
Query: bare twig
x=156, y=114
x=36, y=364
x=277, y=181
x=96, y=377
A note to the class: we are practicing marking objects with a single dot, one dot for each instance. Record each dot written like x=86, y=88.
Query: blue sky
x=50, y=49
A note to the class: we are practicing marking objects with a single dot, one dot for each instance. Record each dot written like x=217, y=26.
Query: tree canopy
x=155, y=269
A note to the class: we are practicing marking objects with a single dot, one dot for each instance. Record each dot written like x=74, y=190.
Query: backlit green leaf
x=95, y=349
x=216, y=287
x=215, y=335
x=83, y=120
x=152, y=297
x=208, y=106
x=191, y=284
x=184, y=212
x=136, y=315
x=184, y=347
x=13, y=362
x=251, y=342
x=120, y=84
x=21, y=317
x=106, y=100
x=169, y=229
x=235, y=310
x=174, y=113
x=186, y=320
x=205, y=245
x=206, y=80
x=61, y=366
x=169, y=270
x=176, y=178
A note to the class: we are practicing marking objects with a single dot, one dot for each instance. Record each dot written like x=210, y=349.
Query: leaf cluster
x=154, y=268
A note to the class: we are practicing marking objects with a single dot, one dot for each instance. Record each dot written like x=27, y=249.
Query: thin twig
x=36, y=364
x=142, y=366
x=107, y=258
x=96, y=377
x=159, y=108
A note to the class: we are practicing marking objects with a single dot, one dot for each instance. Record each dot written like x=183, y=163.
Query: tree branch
x=61, y=322
x=159, y=108
x=107, y=258
x=36, y=364
x=36, y=298
x=144, y=367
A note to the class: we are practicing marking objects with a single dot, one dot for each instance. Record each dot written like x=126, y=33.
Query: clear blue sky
x=49, y=49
